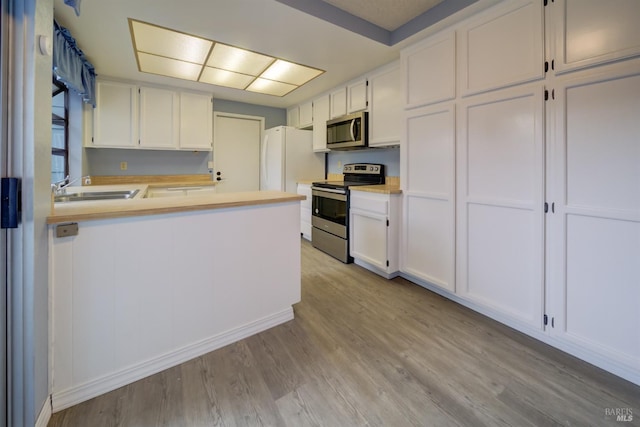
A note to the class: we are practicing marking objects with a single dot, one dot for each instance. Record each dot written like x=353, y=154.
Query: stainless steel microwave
x=348, y=132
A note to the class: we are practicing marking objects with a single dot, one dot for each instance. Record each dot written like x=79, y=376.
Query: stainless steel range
x=330, y=208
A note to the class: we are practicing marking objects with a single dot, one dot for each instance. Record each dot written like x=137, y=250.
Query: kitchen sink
x=96, y=195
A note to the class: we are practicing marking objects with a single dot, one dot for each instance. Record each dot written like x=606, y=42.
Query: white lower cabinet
x=305, y=211
x=373, y=231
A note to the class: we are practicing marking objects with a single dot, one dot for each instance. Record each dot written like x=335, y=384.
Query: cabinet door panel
x=500, y=227
x=385, y=109
x=591, y=32
x=429, y=202
x=320, y=117
x=116, y=115
x=502, y=47
x=338, y=103
x=429, y=71
x=305, y=115
x=602, y=291
x=357, y=96
x=594, y=234
x=603, y=143
x=430, y=151
x=159, y=123
x=196, y=121
x=368, y=237
x=428, y=251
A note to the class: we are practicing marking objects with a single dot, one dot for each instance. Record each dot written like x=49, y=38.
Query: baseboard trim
x=372, y=268
x=45, y=414
x=80, y=393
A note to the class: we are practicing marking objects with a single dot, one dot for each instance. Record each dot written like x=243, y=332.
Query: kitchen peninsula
x=149, y=283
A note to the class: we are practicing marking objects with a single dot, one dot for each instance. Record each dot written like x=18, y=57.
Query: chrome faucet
x=60, y=187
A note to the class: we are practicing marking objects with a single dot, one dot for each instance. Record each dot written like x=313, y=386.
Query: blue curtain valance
x=71, y=66
x=75, y=4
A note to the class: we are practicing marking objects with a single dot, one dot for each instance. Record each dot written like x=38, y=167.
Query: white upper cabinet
x=338, y=102
x=115, y=115
x=429, y=71
x=293, y=116
x=385, y=109
x=501, y=47
x=306, y=115
x=320, y=117
x=133, y=116
x=357, y=96
x=159, y=118
x=590, y=32
x=196, y=121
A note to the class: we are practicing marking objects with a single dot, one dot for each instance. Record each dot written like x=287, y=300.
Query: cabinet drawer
x=371, y=203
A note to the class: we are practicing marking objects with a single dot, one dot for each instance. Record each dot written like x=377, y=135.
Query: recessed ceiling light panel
x=216, y=76
x=288, y=72
x=171, y=44
x=242, y=61
x=172, y=53
x=270, y=87
x=168, y=67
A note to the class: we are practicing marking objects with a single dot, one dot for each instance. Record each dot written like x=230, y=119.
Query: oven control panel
x=363, y=168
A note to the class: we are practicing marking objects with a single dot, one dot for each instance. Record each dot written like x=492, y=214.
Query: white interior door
x=236, y=152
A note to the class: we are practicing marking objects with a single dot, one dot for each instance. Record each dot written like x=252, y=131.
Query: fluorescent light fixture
x=270, y=87
x=231, y=58
x=288, y=72
x=172, y=53
x=168, y=67
x=216, y=76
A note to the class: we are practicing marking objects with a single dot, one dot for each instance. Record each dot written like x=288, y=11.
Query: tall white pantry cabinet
x=521, y=172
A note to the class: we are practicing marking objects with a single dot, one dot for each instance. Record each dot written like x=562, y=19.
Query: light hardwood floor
x=365, y=351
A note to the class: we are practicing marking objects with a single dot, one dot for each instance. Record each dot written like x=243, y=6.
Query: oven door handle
x=329, y=190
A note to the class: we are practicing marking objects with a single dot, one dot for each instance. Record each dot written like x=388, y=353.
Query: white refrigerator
x=286, y=157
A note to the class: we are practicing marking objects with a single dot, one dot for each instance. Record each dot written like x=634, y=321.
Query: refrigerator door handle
x=265, y=173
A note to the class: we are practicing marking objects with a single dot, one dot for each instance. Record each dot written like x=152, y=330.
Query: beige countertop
x=141, y=206
x=382, y=189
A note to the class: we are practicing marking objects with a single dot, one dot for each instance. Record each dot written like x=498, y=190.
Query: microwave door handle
x=352, y=129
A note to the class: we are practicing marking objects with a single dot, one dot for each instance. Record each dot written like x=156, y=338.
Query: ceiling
x=386, y=14
x=345, y=38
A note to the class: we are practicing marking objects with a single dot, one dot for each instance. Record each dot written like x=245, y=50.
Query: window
x=59, y=131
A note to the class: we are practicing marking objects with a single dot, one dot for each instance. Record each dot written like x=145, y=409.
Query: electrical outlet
x=123, y=166
x=339, y=164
